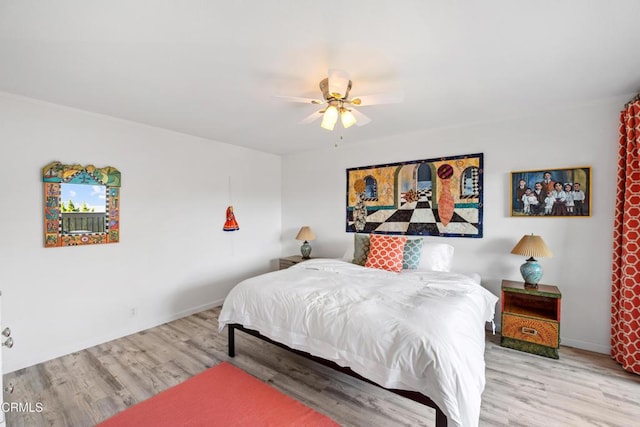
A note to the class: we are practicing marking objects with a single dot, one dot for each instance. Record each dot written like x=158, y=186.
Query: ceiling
x=214, y=68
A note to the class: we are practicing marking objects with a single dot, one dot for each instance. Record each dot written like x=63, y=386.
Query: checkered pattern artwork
x=431, y=197
x=625, y=290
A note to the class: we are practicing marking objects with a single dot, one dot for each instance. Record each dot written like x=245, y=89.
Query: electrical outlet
x=133, y=312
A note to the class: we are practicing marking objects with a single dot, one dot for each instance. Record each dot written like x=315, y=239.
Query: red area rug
x=220, y=396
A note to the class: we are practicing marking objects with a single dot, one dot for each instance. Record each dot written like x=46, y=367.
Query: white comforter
x=419, y=331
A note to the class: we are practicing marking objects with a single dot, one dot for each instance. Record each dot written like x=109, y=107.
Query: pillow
x=436, y=257
x=361, y=244
x=348, y=254
x=411, y=254
x=386, y=252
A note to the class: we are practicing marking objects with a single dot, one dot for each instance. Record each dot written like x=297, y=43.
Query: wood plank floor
x=84, y=388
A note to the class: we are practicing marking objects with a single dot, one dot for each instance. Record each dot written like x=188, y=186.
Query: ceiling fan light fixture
x=335, y=93
x=347, y=118
x=338, y=83
x=329, y=118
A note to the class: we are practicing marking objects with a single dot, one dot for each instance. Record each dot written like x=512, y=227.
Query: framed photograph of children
x=551, y=192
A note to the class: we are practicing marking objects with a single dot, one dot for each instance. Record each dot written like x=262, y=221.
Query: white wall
x=173, y=258
x=314, y=195
x=168, y=265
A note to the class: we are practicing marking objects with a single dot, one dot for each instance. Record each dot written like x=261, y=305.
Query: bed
x=414, y=331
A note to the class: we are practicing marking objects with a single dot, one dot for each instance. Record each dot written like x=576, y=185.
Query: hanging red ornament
x=230, y=224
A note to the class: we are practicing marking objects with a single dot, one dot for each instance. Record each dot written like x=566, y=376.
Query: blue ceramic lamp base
x=305, y=250
x=531, y=273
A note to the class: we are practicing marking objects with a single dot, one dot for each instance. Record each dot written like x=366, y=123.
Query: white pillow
x=436, y=257
x=348, y=254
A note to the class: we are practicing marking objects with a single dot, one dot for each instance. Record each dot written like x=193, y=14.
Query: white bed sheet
x=415, y=330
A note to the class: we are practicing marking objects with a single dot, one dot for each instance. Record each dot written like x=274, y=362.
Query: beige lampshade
x=532, y=246
x=305, y=233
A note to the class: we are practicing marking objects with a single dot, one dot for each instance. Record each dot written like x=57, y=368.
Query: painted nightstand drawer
x=531, y=318
x=289, y=261
x=535, y=331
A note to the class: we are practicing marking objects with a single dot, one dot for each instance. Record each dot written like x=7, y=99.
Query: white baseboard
x=584, y=345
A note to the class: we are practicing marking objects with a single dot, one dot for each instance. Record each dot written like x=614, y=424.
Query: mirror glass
x=83, y=208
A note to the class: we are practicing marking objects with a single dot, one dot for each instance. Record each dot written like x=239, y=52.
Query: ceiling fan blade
x=299, y=99
x=338, y=82
x=361, y=118
x=377, y=98
x=312, y=117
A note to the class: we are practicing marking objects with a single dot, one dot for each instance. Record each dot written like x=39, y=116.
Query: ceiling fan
x=335, y=93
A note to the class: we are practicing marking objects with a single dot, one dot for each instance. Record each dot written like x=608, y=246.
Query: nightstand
x=288, y=261
x=531, y=318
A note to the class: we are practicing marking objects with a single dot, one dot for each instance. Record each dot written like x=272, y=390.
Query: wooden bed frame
x=441, y=418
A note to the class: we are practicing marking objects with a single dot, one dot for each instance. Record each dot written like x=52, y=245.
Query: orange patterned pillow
x=386, y=252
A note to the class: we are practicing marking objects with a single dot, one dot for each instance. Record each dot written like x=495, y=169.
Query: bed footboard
x=441, y=418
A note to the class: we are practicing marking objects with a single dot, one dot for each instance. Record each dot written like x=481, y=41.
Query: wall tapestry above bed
x=430, y=197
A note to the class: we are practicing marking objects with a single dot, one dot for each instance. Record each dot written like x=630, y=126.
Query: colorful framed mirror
x=81, y=205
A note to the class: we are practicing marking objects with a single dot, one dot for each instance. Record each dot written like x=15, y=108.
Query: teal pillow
x=361, y=244
x=411, y=255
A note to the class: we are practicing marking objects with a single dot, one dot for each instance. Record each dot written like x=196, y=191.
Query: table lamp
x=305, y=234
x=531, y=246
